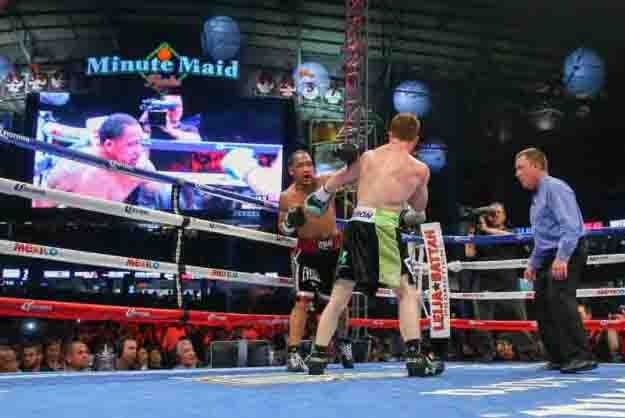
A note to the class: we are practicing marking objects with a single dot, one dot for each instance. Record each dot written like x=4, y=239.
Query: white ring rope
x=22, y=249
x=29, y=191
x=581, y=293
x=521, y=295
x=598, y=259
x=137, y=264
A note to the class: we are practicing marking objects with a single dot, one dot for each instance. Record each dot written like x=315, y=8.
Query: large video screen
x=235, y=144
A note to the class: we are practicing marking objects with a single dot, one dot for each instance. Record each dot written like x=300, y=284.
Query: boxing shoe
x=578, y=365
x=421, y=365
x=295, y=363
x=316, y=363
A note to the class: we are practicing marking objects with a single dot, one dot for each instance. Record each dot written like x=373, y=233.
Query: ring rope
x=31, y=143
x=24, y=249
x=23, y=141
x=30, y=191
x=90, y=312
x=14, y=248
x=598, y=259
x=506, y=239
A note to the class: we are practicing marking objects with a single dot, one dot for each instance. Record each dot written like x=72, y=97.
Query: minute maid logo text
x=163, y=60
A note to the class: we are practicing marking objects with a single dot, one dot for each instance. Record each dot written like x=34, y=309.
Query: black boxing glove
x=294, y=219
x=410, y=218
x=346, y=152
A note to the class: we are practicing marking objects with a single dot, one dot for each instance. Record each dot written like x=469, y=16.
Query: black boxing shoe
x=316, y=363
x=421, y=365
x=295, y=363
x=578, y=365
x=552, y=365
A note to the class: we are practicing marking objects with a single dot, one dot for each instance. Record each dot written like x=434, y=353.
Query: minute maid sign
x=163, y=60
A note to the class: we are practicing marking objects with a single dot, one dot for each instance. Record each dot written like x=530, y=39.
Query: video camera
x=473, y=214
x=157, y=110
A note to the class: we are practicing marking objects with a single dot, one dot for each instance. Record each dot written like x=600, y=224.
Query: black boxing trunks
x=373, y=254
x=313, y=264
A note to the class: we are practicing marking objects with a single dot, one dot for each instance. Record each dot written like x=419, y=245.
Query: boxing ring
x=465, y=389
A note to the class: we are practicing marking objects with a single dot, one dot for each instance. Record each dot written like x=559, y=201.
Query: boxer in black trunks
x=314, y=260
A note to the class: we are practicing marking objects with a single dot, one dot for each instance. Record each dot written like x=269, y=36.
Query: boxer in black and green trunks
x=373, y=253
x=389, y=178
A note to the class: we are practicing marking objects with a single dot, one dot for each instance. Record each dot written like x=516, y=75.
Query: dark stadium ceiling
x=517, y=42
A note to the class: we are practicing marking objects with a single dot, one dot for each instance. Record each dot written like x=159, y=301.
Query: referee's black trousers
x=559, y=324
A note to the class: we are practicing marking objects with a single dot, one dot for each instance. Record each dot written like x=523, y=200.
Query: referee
x=556, y=263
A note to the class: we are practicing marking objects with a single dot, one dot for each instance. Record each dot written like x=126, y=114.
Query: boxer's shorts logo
x=310, y=275
x=326, y=245
x=363, y=214
x=343, y=259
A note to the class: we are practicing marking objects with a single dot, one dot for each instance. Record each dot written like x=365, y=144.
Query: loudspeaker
x=241, y=353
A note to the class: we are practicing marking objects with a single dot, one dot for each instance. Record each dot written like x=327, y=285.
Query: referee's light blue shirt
x=556, y=220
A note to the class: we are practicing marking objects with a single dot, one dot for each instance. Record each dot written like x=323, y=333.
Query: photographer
x=492, y=221
x=161, y=119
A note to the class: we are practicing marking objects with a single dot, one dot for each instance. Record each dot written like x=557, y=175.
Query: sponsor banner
x=32, y=250
x=163, y=61
x=138, y=263
x=440, y=325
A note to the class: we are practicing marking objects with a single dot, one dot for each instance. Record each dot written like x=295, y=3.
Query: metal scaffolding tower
x=356, y=128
